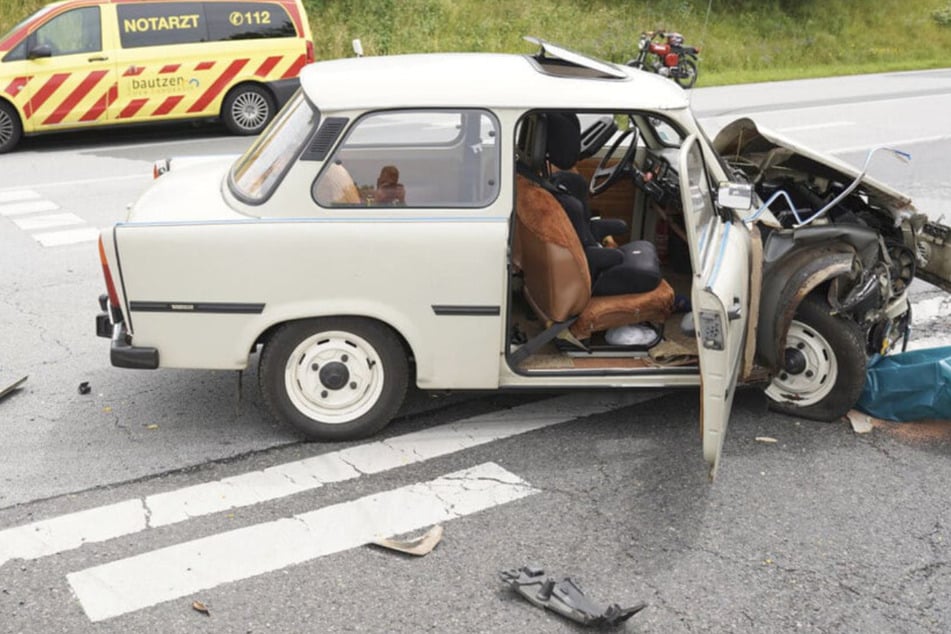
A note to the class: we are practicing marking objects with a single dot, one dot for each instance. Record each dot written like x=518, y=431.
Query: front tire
x=10, y=127
x=334, y=378
x=686, y=74
x=825, y=362
x=247, y=109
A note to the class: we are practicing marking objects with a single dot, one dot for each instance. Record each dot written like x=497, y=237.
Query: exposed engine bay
x=817, y=199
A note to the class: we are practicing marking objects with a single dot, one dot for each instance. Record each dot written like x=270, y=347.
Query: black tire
x=247, y=109
x=334, y=378
x=687, y=73
x=833, y=349
x=11, y=130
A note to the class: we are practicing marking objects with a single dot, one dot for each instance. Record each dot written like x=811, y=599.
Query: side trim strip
x=196, y=307
x=456, y=311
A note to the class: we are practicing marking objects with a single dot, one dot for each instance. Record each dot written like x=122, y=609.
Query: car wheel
x=334, y=378
x=10, y=127
x=825, y=362
x=247, y=109
x=687, y=74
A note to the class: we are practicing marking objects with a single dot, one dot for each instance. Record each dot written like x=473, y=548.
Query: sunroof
x=558, y=60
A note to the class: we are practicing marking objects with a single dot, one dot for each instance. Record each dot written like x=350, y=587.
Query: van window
x=248, y=20
x=76, y=31
x=160, y=23
x=156, y=24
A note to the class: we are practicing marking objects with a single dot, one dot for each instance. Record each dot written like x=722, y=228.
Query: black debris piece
x=565, y=597
x=84, y=387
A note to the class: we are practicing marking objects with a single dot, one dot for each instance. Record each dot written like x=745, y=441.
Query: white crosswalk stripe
x=33, y=223
x=22, y=206
x=65, y=532
x=169, y=573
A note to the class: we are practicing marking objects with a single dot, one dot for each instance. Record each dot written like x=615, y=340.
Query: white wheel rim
x=6, y=127
x=249, y=110
x=319, y=363
x=817, y=379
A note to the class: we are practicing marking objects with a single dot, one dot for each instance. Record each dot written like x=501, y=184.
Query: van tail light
x=110, y=286
x=310, y=52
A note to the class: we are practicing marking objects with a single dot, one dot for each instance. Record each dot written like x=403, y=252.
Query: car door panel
x=719, y=252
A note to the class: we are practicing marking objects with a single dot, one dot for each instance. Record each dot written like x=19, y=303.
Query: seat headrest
x=564, y=139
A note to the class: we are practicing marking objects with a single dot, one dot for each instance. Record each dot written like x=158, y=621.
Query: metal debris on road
x=12, y=387
x=861, y=422
x=417, y=546
x=84, y=388
x=565, y=597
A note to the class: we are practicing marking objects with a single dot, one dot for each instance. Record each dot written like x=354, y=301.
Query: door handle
x=736, y=311
x=98, y=58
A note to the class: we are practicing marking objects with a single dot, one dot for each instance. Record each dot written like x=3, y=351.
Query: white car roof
x=492, y=80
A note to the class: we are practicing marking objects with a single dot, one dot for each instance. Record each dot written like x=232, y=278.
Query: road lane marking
x=70, y=236
x=27, y=207
x=138, y=582
x=84, y=181
x=899, y=144
x=51, y=221
x=16, y=195
x=816, y=126
x=66, y=532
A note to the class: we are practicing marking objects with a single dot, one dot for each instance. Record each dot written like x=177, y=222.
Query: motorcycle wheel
x=686, y=75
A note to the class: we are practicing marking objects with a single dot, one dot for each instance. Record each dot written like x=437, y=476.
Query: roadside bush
x=943, y=16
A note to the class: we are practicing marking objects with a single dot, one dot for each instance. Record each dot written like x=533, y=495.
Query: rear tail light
x=159, y=167
x=310, y=52
x=110, y=286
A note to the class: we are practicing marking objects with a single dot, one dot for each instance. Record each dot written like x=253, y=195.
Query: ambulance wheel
x=247, y=109
x=824, y=365
x=10, y=128
x=334, y=378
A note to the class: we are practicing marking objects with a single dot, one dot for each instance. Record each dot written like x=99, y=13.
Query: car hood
x=769, y=150
x=190, y=191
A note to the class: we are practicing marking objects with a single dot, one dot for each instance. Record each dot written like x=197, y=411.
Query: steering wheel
x=604, y=176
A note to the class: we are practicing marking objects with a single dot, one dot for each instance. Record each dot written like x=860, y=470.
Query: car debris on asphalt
x=565, y=597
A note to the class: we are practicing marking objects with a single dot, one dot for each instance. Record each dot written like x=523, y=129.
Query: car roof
x=493, y=80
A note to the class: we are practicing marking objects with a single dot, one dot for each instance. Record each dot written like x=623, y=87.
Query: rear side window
x=248, y=21
x=160, y=23
x=414, y=158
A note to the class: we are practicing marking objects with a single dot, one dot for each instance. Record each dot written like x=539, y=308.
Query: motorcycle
x=670, y=58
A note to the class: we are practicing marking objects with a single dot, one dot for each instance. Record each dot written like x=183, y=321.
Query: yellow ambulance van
x=80, y=63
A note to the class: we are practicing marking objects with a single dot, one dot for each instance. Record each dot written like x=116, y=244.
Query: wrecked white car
x=486, y=221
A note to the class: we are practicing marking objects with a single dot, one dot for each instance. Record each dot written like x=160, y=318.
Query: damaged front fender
x=785, y=285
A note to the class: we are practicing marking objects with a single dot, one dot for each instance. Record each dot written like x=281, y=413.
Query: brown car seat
x=596, y=287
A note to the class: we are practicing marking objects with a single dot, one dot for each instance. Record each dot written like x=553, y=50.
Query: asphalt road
x=823, y=530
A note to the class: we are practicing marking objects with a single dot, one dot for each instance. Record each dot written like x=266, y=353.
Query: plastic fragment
x=198, y=606
x=418, y=546
x=766, y=439
x=565, y=597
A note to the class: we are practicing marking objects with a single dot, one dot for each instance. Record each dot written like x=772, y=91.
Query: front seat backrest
x=557, y=280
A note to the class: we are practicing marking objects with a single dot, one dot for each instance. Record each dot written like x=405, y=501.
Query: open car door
x=720, y=259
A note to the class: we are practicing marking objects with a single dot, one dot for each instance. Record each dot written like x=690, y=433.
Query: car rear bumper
x=122, y=353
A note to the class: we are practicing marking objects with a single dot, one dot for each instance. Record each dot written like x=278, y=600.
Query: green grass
x=742, y=40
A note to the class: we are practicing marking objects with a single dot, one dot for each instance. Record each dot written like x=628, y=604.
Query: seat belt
x=534, y=344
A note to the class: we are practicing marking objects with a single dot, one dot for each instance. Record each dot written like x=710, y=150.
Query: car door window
x=76, y=31
x=414, y=159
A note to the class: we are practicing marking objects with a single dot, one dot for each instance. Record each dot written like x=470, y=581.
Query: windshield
x=259, y=170
x=22, y=23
